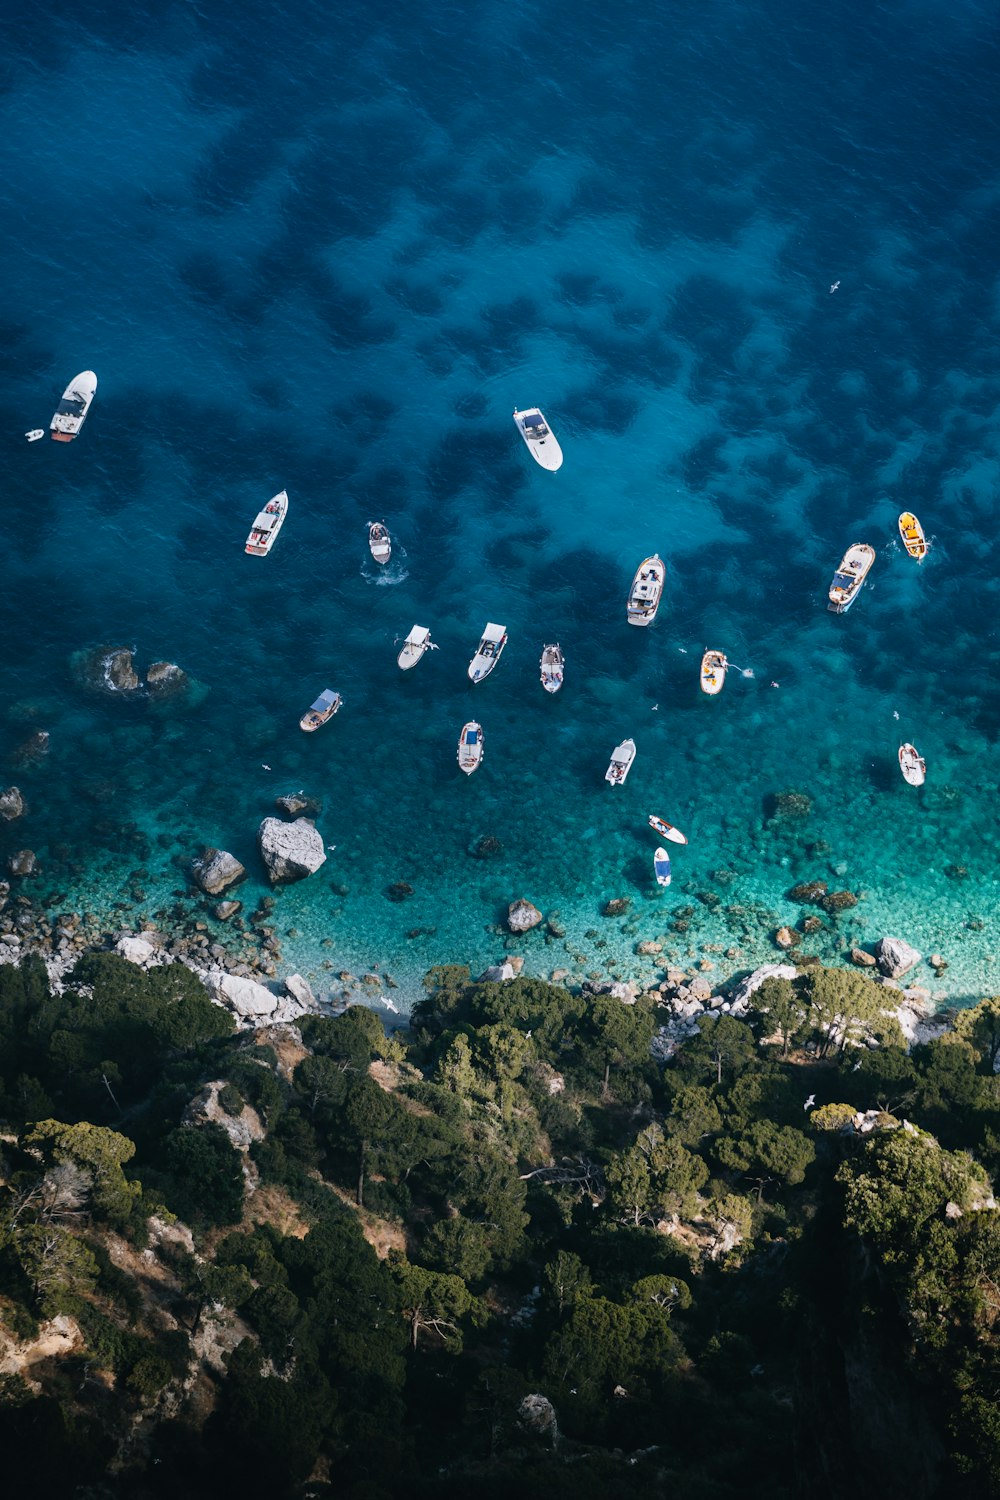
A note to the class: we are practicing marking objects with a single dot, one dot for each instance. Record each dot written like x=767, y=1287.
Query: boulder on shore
x=301, y=991
x=740, y=998
x=215, y=870
x=522, y=916
x=894, y=957
x=291, y=851
x=136, y=949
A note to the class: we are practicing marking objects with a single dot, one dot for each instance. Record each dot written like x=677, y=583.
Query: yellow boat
x=912, y=533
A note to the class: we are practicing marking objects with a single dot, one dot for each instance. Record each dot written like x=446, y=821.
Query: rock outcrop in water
x=894, y=957
x=12, y=805
x=164, y=679
x=522, y=916
x=215, y=871
x=291, y=851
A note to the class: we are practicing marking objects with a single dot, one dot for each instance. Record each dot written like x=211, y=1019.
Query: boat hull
x=552, y=667
x=470, y=747
x=544, y=448
x=914, y=769
x=661, y=867
x=912, y=536
x=72, y=410
x=379, y=543
x=488, y=652
x=646, y=592
x=714, y=667
x=621, y=762
x=666, y=830
x=267, y=524
x=849, y=578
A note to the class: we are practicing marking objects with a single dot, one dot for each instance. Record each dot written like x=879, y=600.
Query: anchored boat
x=71, y=413
x=714, y=667
x=914, y=769
x=850, y=576
x=540, y=438
x=379, y=541
x=661, y=867
x=912, y=534
x=666, y=830
x=470, y=747
x=35, y=434
x=646, y=591
x=552, y=665
x=322, y=711
x=264, y=531
x=621, y=763
x=488, y=652
x=417, y=642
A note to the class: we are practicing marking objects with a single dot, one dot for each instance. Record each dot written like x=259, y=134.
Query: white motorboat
x=488, y=652
x=71, y=413
x=540, y=438
x=552, y=665
x=470, y=747
x=914, y=769
x=666, y=830
x=646, y=591
x=322, y=711
x=661, y=867
x=850, y=576
x=714, y=667
x=621, y=763
x=35, y=434
x=417, y=642
x=379, y=542
x=264, y=531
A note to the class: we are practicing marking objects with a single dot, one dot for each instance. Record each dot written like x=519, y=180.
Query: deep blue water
x=329, y=250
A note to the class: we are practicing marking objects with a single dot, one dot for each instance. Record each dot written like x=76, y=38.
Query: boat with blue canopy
x=322, y=711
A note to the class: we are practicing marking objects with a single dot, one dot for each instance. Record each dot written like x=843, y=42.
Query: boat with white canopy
x=488, y=652
x=621, y=763
x=417, y=642
x=269, y=521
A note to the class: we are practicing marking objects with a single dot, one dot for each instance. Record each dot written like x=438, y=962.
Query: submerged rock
x=23, y=862
x=215, y=870
x=894, y=957
x=862, y=959
x=226, y=909
x=792, y=804
x=522, y=916
x=786, y=937
x=291, y=851
x=617, y=907
x=838, y=901
x=298, y=804
x=486, y=847
x=30, y=751
x=12, y=805
x=809, y=893
x=164, y=679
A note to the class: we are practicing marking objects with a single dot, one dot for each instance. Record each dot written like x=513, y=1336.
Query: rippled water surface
x=329, y=250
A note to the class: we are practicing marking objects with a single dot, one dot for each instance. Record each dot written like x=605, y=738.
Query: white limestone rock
x=739, y=1001
x=12, y=804
x=137, y=950
x=522, y=916
x=291, y=851
x=248, y=1000
x=300, y=991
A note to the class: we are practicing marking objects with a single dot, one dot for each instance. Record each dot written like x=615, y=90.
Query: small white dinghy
x=540, y=438
x=488, y=651
x=417, y=642
x=379, y=542
x=661, y=867
x=914, y=769
x=35, y=434
x=621, y=763
x=667, y=830
x=552, y=665
x=71, y=413
x=322, y=711
x=470, y=747
x=269, y=521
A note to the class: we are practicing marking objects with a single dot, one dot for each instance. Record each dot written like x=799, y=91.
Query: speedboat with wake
x=666, y=830
x=71, y=413
x=552, y=665
x=488, y=652
x=714, y=667
x=646, y=591
x=379, y=542
x=322, y=711
x=661, y=867
x=850, y=576
x=470, y=747
x=269, y=521
x=417, y=642
x=912, y=534
x=621, y=763
x=914, y=769
x=539, y=437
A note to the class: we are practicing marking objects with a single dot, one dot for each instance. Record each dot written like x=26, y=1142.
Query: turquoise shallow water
x=635, y=224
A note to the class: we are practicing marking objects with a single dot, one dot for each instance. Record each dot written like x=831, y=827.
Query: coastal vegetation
x=508, y=1250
